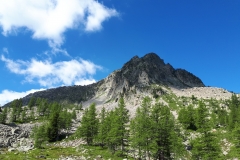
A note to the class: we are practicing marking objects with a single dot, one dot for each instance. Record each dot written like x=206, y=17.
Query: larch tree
x=89, y=125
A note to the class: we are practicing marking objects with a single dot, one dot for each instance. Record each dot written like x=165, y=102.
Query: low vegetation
x=198, y=129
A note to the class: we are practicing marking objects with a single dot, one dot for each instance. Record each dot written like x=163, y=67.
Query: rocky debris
x=72, y=158
x=203, y=92
x=16, y=137
x=71, y=143
x=226, y=146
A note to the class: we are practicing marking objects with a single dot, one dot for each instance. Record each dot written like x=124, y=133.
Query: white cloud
x=49, y=19
x=5, y=50
x=8, y=96
x=49, y=74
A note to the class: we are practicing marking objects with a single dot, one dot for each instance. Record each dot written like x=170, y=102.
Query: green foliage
x=234, y=107
x=103, y=128
x=16, y=106
x=65, y=119
x=165, y=140
x=141, y=129
x=187, y=117
x=3, y=116
x=31, y=102
x=118, y=134
x=74, y=115
x=153, y=132
x=39, y=135
x=206, y=147
x=235, y=149
x=50, y=152
x=89, y=125
x=54, y=123
x=202, y=120
x=23, y=116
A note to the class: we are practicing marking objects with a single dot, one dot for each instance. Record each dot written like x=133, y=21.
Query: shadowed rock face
x=138, y=72
x=151, y=69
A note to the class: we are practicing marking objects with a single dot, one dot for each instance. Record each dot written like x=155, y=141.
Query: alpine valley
x=145, y=110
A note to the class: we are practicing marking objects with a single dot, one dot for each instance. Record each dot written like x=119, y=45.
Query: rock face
x=150, y=69
x=16, y=137
x=135, y=74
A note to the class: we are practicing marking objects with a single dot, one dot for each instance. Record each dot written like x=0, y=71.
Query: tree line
x=153, y=133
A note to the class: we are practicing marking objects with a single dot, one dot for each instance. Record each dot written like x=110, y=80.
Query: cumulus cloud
x=8, y=96
x=49, y=74
x=49, y=19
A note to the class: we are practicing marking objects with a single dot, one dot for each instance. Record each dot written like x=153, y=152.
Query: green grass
x=54, y=153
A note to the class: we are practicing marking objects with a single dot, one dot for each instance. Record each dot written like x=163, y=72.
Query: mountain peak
x=135, y=74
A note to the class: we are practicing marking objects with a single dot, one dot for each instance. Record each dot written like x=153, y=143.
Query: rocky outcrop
x=188, y=78
x=16, y=137
x=142, y=72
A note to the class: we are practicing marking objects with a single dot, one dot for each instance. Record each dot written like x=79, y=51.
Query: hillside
x=149, y=98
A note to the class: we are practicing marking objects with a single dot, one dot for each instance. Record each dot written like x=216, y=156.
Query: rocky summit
x=136, y=73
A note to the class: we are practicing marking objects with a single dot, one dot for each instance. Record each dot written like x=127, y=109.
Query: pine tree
x=141, y=129
x=234, y=107
x=74, y=115
x=65, y=120
x=102, y=129
x=235, y=149
x=202, y=120
x=123, y=117
x=206, y=146
x=31, y=103
x=187, y=118
x=89, y=125
x=54, y=123
x=40, y=136
x=23, y=116
x=3, y=116
x=32, y=115
x=164, y=136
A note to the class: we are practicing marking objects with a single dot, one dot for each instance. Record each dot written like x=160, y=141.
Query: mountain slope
x=135, y=74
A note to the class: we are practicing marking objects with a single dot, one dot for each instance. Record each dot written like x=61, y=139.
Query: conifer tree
x=53, y=127
x=23, y=116
x=187, y=117
x=205, y=146
x=3, y=116
x=102, y=129
x=235, y=149
x=123, y=120
x=65, y=120
x=89, y=125
x=116, y=126
x=164, y=137
x=74, y=115
x=31, y=103
x=234, y=107
x=40, y=136
x=202, y=120
x=32, y=115
x=141, y=129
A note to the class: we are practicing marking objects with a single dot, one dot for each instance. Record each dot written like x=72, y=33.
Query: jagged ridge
x=137, y=72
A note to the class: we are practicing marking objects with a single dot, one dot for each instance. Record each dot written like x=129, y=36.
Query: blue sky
x=51, y=43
